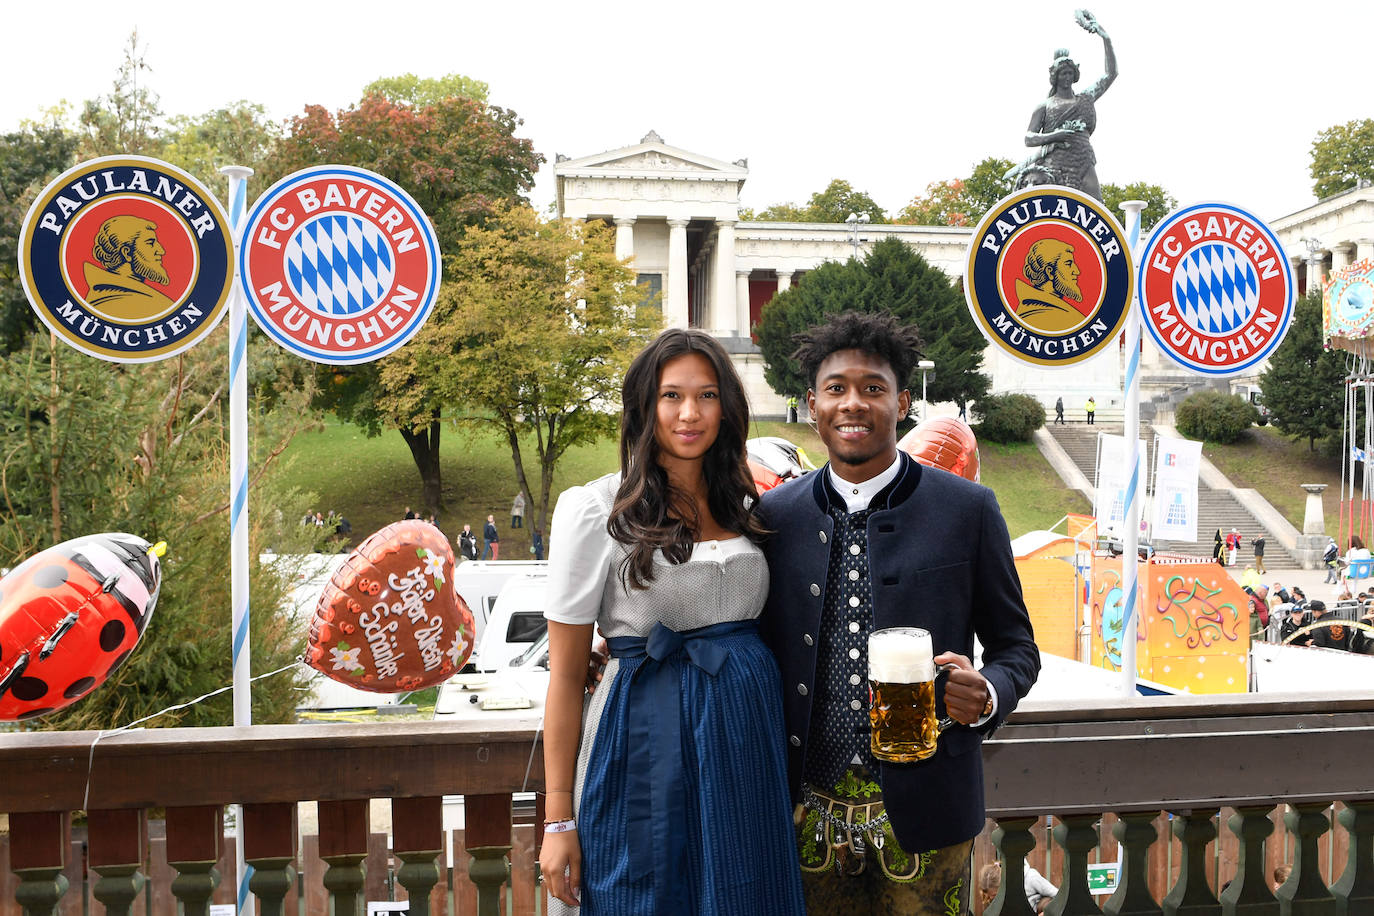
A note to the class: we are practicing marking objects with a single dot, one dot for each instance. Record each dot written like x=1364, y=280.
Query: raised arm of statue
x=1088, y=22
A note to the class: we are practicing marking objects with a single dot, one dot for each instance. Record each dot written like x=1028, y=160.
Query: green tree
x=534, y=333
x=29, y=159
x=1159, y=203
x=960, y=201
x=460, y=160
x=831, y=205
x=88, y=446
x=240, y=133
x=892, y=277
x=1342, y=157
x=127, y=121
x=1304, y=386
x=421, y=92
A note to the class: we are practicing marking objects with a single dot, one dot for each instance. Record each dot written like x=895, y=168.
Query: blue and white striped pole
x=238, y=497
x=1130, y=558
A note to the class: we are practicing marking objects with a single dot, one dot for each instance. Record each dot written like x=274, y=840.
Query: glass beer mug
x=901, y=679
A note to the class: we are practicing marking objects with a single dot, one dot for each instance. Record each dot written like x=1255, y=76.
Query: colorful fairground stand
x=1348, y=325
x=1194, y=631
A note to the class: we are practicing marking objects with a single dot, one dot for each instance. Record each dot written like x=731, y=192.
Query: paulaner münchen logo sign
x=127, y=258
x=1049, y=277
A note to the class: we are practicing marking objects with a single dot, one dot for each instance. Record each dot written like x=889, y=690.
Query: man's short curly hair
x=880, y=334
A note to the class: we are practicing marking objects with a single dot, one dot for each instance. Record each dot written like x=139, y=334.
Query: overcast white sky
x=1214, y=101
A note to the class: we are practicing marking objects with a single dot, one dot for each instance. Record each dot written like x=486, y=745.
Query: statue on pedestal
x=1061, y=125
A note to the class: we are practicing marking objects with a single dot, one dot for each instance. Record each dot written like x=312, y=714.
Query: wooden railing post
x=269, y=846
x=486, y=834
x=39, y=841
x=1354, y=891
x=1076, y=834
x=343, y=847
x=418, y=839
x=1305, y=893
x=1249, y=893
x=1013, y=840
x=1136, y=832
x=1192, y=895
x=193, y=839
x=119, y=844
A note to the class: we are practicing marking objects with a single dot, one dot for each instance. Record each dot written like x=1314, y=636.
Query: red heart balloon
x=944, y=442
x=390, y=619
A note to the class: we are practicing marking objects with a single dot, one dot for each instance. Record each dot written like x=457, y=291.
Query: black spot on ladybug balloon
x=69, y=616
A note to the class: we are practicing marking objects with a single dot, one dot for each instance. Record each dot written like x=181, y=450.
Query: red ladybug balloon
x=944, y=442
x=390, y=619
x=71, y=615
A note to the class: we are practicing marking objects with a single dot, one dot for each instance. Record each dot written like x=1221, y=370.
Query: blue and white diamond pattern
x=1216, y=288
x=339, y=264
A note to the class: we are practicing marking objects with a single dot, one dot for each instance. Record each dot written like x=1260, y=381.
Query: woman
x=1061, y=125
x=675, y=801
x=1217, y=547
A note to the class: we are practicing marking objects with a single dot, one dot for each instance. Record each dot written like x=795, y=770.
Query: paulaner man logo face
x=1049, y=277
x=127, y=259
x=1216, y=289
x=340, y=265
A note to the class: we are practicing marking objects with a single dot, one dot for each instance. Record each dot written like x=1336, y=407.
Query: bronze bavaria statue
x=1061, y=125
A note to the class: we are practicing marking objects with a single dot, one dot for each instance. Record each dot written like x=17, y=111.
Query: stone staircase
x=1216, y=508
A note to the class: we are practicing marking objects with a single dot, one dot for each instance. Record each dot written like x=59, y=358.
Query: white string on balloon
x=238, y=498
x=1130, y=557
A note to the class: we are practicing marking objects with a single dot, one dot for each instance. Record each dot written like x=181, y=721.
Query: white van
x=480, y=581
x=515, y=622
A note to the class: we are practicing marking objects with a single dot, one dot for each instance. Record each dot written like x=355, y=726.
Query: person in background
x=1091, y=409
x=517, y=510
x=1059, y=411
x=537, y=544
x=1281, y=873
x=1217, y=546
x=1331, y=559
x=491, y=547
x=467, y=543
x=1257, y=545
x=1232, y=546
x=410, y=513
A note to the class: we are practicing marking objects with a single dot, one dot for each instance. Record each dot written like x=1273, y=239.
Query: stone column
x=1316, y=276
x=624, y=237
x=1312, y=541
x=742, y=302
x=675, y=303
x=1342, y=255
x=784, y=280
x=724, y=316
x=1364, y=248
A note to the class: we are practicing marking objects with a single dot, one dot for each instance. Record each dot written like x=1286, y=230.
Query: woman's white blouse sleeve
x=579, y=557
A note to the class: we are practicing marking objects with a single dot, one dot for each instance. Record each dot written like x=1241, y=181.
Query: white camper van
x=479, y=582
x=516, y=621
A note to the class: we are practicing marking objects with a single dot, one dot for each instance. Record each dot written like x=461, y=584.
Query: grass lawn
x=1276, y=466
x=371, y=481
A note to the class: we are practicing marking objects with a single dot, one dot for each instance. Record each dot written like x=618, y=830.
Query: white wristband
x=562, y=826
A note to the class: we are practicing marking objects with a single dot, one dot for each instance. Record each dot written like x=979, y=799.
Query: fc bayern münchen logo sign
x=1216, y=289
x=340, y=265
x=127, y=259
x=1049, y=277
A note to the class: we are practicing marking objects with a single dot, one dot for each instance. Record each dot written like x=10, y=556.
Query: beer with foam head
x=901, y=679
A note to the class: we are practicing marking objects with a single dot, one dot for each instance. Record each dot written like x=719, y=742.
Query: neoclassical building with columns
x=676, y=214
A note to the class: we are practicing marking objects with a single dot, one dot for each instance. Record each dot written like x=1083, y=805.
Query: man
x=1059, y=411
x=467, y=543
x=130, y=257
x=1257, y=544
x=491, y=547
x=1046, y=302
x=517, y=510
x=1331, y=560
x=1090, y=409
x=875, y=540
x=1259, y=610
x=1232, y=546
x=1297, y=619
x=1278, y=591
x=1339, y=635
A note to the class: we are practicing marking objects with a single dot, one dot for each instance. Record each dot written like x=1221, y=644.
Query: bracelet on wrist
x=562, y=825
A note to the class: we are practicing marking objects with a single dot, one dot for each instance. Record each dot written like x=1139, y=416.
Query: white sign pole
x=1130, y=540
x=238, y=497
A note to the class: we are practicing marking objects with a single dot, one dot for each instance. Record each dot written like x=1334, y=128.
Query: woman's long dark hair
x=640, y=517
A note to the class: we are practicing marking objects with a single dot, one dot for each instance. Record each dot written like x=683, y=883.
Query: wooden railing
x=1188, y=762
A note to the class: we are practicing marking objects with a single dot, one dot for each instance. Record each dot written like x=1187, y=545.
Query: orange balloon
x=390, y=619
x=944, y=442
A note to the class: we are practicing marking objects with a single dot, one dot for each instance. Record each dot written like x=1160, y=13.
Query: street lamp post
x=1314, y=260
x=854, y=221
x=925, y=366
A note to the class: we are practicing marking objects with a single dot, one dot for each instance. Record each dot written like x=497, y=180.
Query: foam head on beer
x=900, y=655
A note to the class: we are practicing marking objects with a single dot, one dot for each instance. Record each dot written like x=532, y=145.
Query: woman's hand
x=560, y=859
